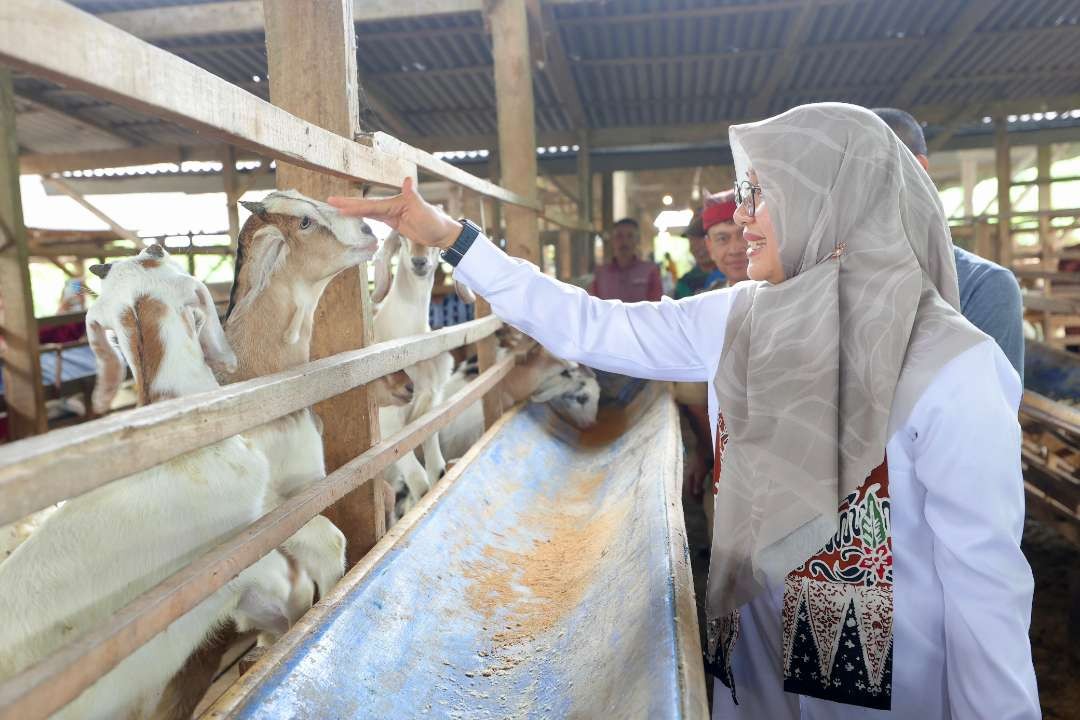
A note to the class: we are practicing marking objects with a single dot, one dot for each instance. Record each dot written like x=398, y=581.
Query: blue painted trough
x=545, y=577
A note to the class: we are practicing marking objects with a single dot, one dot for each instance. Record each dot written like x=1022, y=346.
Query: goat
x=405, y=298
x=538, y=377
x=100, y=550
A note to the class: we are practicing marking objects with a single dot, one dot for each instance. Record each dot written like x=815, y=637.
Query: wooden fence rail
x=61, y=677
x=42, y=470
x=111, y=64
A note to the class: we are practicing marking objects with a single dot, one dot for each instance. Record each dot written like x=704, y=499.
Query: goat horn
x=255, y=208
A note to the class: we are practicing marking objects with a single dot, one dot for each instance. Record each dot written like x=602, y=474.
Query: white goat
x=102, y=549
x=538, y=377
x=405, y=298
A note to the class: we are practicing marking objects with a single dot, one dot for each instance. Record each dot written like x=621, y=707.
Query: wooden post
x=969, y=178
x=23, y=390
x=1004, y=178
x=564, y=256
x=486, y=348
x=311, y=54
x=580, y=263
x=607, y=210
x=516, y=121
x=232, y=193
x=1047, y=253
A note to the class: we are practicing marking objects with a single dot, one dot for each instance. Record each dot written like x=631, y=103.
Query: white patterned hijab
x=813, y=369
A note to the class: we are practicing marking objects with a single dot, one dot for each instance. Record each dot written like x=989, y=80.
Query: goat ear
x=464, y=293
x=154, y=250
x=101, y=270
x=216, y=350
x=383, y=276
x=110, y=366
x=264, y=611
x=255, y=208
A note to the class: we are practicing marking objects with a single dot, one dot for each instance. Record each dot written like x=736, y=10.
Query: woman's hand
x=408, y=213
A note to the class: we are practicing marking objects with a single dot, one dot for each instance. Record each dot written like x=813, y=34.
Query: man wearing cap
x=695, y=280
x=724, y=241
x=627, y=277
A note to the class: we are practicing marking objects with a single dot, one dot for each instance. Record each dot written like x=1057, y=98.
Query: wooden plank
x=319, y=615
x=1004, y=177
x=23, y=393
x=178, y=91
x=245, y=16
x=1043, y=163
x=516, y=121
x=311, y=54
x=431, y=164
x=38, y=472
x=59, y=678
x=232, y=193
x=94, y=210
x=1041, y=303
x=1057, y=415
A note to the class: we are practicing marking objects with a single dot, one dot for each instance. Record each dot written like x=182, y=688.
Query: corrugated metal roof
x=644, y=63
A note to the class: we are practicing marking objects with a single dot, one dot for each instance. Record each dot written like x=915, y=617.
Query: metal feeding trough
x=546, y=576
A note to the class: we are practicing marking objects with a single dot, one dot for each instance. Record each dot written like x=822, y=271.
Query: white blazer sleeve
x=666, y=340
x=967, y=455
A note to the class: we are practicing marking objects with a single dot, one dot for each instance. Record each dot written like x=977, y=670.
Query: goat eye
x=565, y=373
x=305, y=222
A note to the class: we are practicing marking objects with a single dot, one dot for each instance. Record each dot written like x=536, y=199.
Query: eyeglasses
x=747, y=192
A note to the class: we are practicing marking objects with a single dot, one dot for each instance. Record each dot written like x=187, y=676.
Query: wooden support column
x=311, y=54
x=516, y=121
x=564, y=256
x=1043, y=162
x=607, y=210
x=969, y=178
x=1003, y=249
x=23, y=391
x=232, y=193
x=582, y=245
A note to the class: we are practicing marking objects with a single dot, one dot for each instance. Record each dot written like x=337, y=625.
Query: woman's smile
x=754, y=244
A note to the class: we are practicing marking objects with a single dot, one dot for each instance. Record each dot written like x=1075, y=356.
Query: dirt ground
x=1053, y=560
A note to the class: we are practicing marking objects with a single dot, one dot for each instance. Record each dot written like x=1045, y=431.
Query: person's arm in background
x=665, y=340
x=997, y=308
x=967, y=457
x=656, y=287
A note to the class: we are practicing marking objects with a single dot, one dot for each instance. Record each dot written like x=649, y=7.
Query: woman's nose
x=742, y=217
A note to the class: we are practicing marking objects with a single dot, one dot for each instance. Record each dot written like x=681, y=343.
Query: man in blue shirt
x=989, y=294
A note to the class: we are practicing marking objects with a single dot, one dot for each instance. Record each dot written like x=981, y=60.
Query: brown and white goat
x=102, y=549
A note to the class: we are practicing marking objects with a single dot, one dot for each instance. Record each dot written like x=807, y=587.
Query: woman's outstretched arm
x=665, y=340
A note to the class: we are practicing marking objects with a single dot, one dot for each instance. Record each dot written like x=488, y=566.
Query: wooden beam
x=23, y=391
x=560, y=187
x=101, y=129
x=516, y=121
x=958, y=120
x=558, y=69
x=46, y=163
x=39, y=472
x=311, y=54
x=232, y=192
x=580, y=263
x=63, y=675
x=94, y=210
x=959, y=32
x=785, y=63
x=177, y=90
x=1003, y=165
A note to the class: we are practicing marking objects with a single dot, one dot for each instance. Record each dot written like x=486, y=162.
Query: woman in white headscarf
x=866, y=547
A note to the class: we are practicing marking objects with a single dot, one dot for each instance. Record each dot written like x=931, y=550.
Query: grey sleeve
x=997, y=308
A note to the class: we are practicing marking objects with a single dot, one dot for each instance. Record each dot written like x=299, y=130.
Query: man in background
x=627, y=277
x=989, y=294
x=696, y=279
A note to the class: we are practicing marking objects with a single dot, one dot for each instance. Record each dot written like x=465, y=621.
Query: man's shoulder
x=975, y=271
x=692, y=274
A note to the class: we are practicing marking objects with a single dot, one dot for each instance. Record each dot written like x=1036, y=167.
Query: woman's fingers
x=362, y=207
